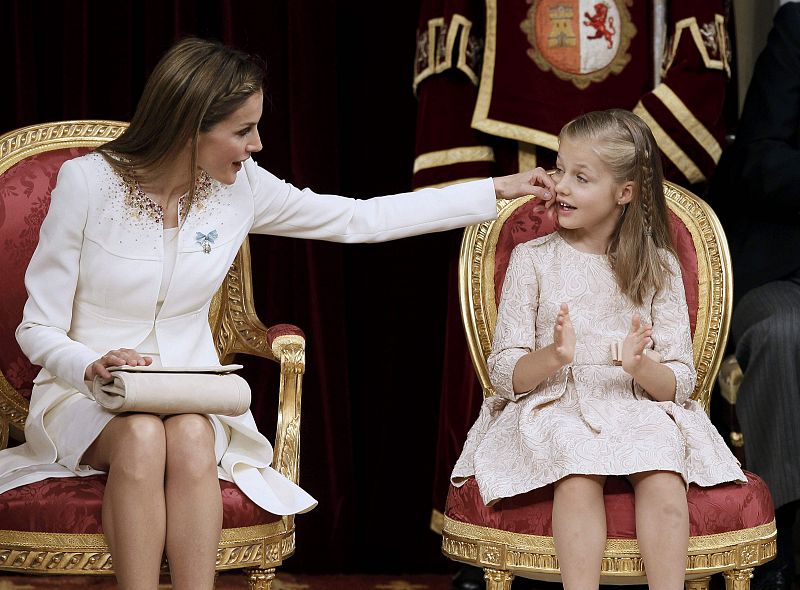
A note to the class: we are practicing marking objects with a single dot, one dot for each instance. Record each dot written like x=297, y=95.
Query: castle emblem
x=579, y=40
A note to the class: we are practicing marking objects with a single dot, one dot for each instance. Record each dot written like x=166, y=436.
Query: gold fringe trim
x=692, y=124
x=670, y=148
x=459, y=155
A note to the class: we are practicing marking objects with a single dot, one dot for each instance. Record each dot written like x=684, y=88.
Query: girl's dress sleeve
x=51, y=281
x=515, y=333
x=672, y=335
x=282, y=209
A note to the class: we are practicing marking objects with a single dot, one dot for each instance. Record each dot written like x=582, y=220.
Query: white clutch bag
x=174, y=390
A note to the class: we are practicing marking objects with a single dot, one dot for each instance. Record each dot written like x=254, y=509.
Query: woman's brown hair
x=626, y=145
x=194, y=86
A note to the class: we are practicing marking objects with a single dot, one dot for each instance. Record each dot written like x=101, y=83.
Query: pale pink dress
x=589, y=417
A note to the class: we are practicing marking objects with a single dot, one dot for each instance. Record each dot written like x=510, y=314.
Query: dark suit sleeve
x=769, y=131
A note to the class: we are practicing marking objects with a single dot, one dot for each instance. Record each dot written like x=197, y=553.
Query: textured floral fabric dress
x=589, y=417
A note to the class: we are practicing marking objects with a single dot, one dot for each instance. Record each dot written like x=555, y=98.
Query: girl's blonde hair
x=626, y=145
x=194, y=86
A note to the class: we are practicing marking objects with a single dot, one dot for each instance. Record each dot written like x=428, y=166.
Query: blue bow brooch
x=205, y=240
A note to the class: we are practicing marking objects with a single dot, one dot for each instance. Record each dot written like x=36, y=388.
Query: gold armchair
x=53, y=526
x=732, y=527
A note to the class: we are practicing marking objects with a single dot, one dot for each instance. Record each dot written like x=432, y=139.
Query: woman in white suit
x=138, y=238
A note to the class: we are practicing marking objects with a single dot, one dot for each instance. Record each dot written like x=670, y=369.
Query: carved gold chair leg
x=698, y=584
x=738, y=579
x=497, y=579
x=260, y=578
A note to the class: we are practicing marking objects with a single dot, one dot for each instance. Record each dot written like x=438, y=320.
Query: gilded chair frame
x=504, y=554
x=258, y=549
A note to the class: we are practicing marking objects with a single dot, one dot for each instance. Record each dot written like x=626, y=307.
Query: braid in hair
x=646, y=192
x=641, y=237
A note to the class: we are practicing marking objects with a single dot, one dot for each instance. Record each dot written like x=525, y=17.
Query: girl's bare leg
x=579, y=529
x=194, y=502
x=132, y=448
x=662, y=527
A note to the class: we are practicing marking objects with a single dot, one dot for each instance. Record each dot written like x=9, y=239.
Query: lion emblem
x=603, y=24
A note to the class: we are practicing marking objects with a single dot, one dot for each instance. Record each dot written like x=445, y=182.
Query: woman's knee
x=190, y=446
x=137, y=446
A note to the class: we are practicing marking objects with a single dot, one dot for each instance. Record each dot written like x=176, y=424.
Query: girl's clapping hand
x=635, y=342
x=564, y=336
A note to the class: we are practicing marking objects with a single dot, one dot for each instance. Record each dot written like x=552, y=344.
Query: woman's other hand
x=531, y=182
x=115, y=358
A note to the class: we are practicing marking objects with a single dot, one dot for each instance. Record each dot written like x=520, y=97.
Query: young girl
x=592, y=361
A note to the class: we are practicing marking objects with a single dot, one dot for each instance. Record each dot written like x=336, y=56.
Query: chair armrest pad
x=282, y=330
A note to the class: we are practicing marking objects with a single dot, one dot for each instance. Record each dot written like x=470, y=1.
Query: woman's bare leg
x=194, y=502
x=132, y=448
x=579, y=529
x=662, y=527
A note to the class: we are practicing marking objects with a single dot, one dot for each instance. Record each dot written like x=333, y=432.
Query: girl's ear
x=625, y=194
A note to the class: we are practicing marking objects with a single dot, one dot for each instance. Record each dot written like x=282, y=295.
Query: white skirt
x=63, y=423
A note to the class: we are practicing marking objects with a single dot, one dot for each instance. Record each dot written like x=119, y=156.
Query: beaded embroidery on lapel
x=139, y=205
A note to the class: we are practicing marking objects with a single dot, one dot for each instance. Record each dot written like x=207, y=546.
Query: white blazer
x=94, y=279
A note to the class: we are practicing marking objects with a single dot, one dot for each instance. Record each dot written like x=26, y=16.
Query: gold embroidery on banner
x=598, y=48
x=480, y=116
x=671, y=149
x=460, y=155
x=709, y=36
x=437, y=52
x=425, y=63
x=691, y=123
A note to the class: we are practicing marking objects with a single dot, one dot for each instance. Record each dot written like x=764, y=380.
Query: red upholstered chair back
x=30, y=159
x=24, y=199
x=699, y=242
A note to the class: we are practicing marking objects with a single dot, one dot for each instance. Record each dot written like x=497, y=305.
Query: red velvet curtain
x=339, y=117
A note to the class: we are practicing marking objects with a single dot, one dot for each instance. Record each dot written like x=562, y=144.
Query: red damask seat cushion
x=718, y=509
x=73, y=505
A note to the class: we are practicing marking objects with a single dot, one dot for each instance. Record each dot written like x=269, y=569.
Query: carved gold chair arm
x=288, y=344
